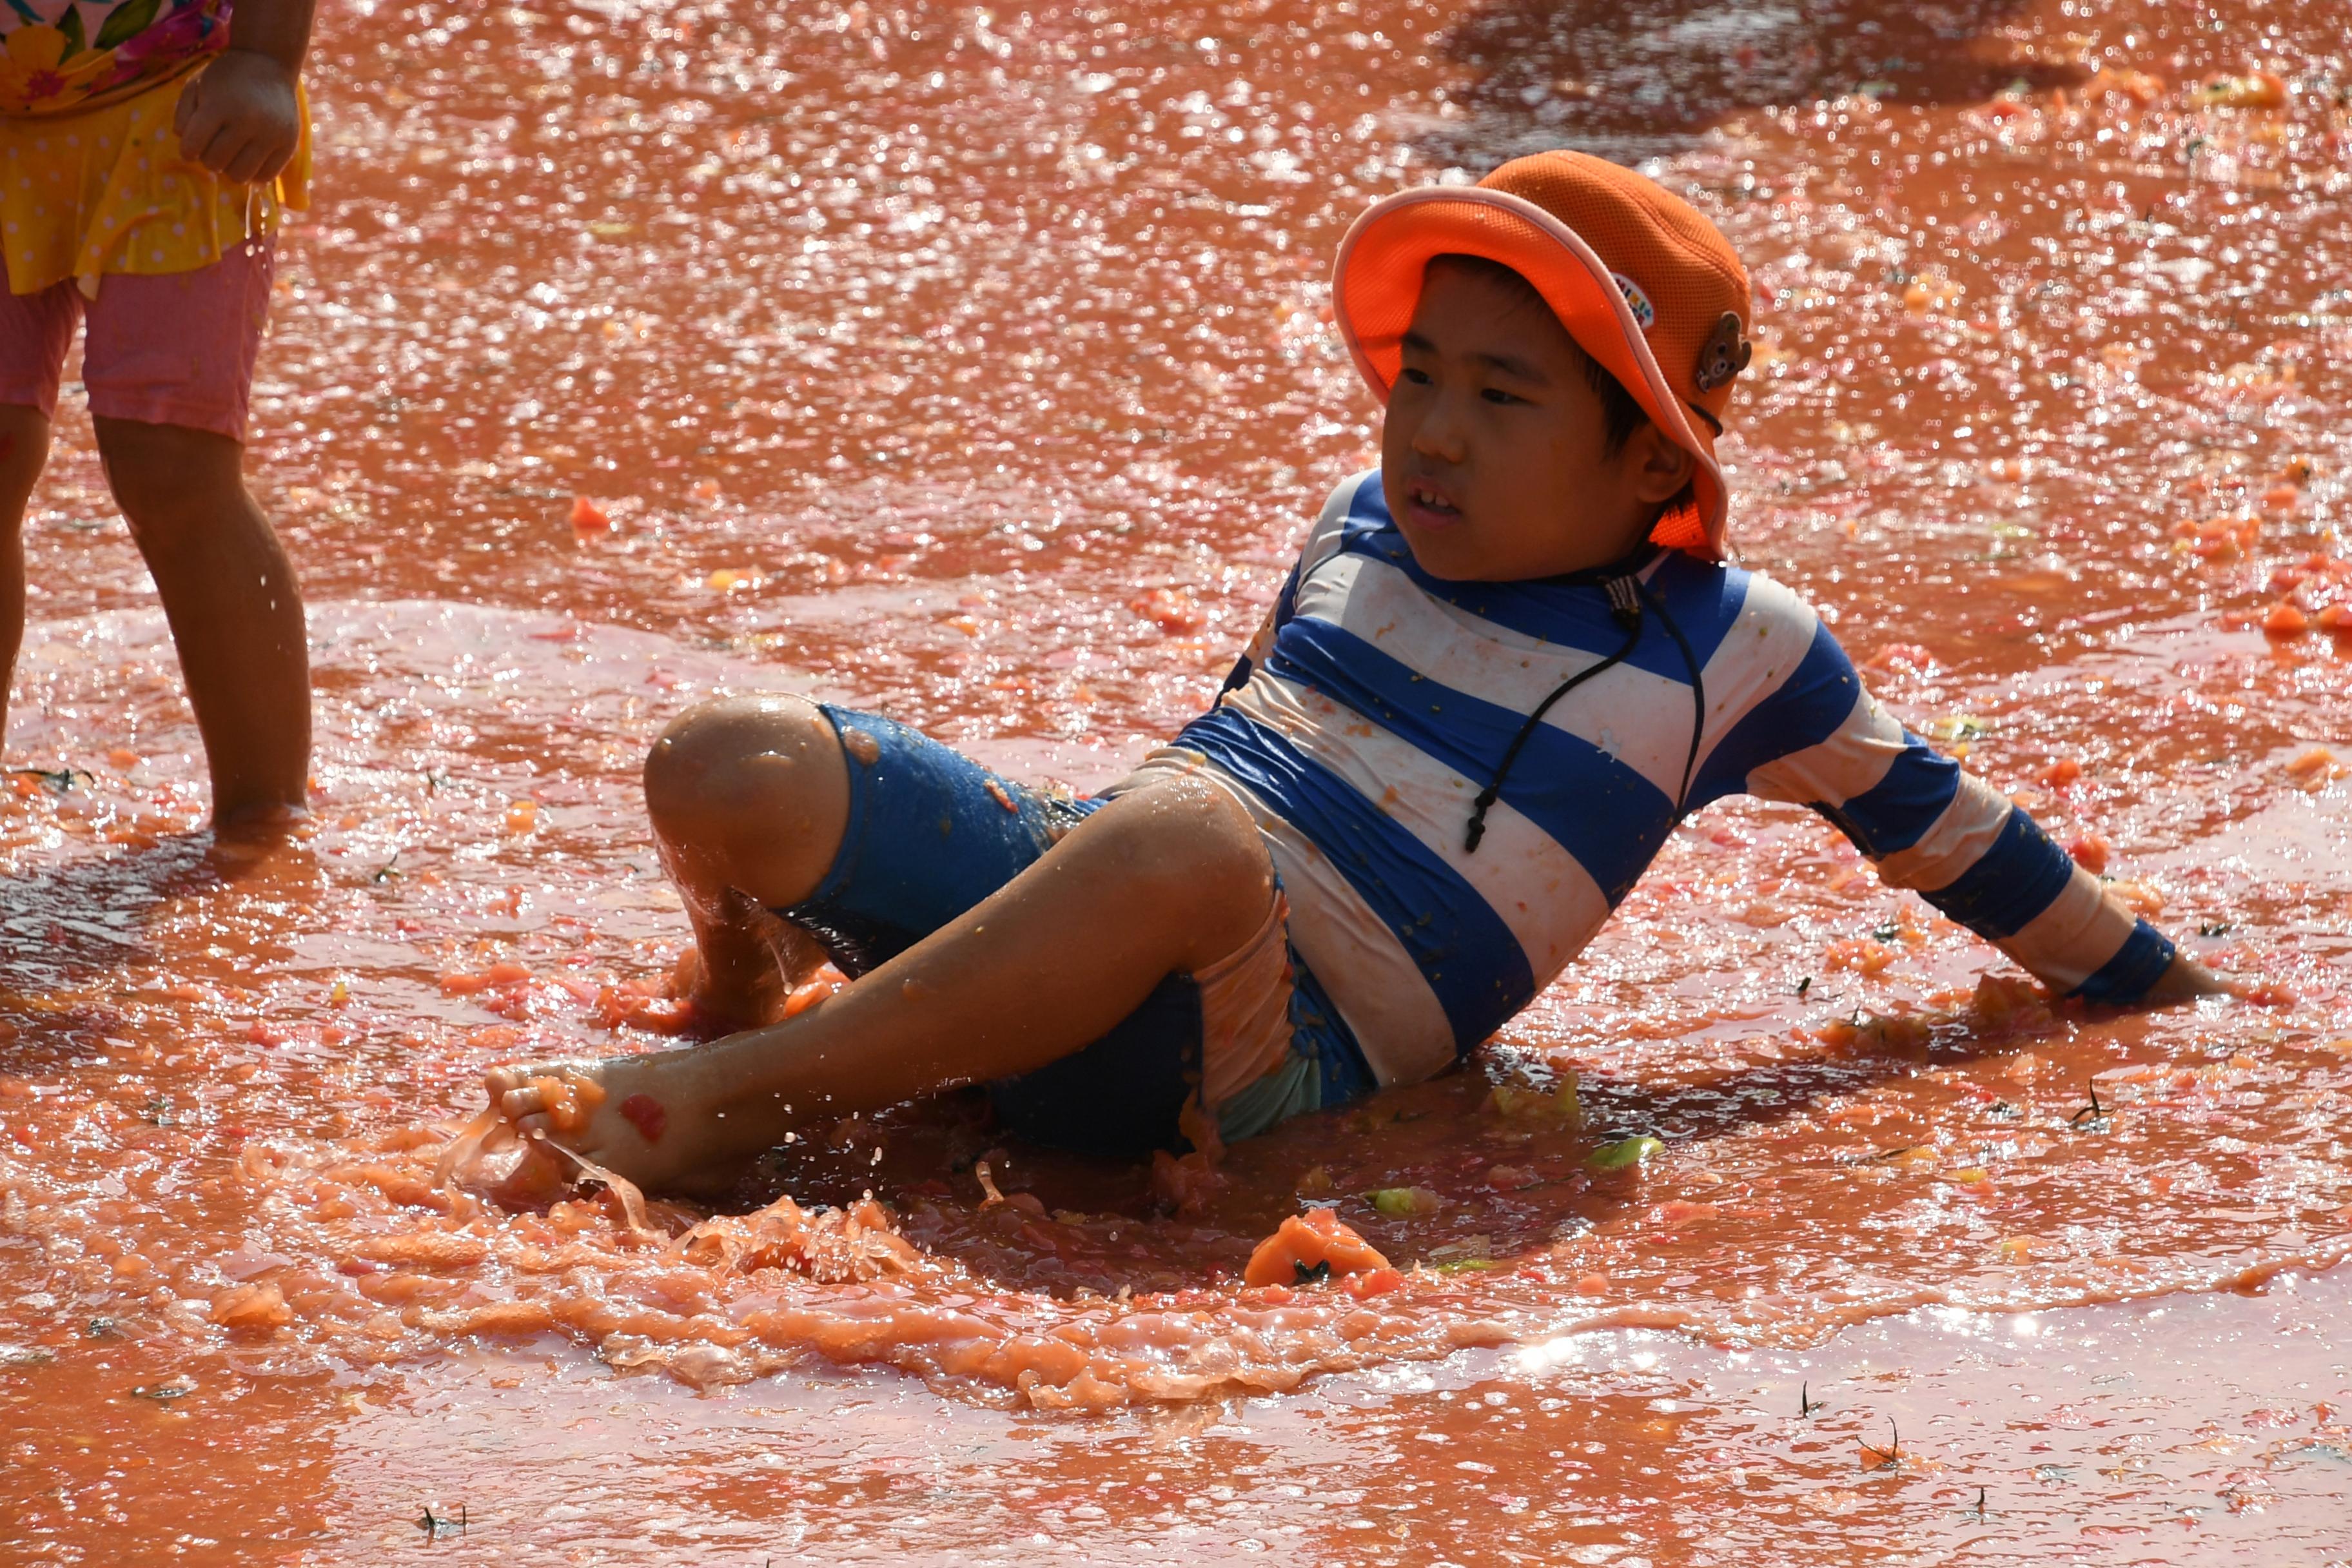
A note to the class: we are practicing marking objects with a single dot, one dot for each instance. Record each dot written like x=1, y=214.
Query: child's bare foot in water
x=248, y=842
x=768, y=998
x=743, y=999
x=654, y=1119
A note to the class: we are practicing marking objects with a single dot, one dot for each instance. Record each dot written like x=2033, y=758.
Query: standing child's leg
x=169, y=364
x=234, y=608
x=23, y=448
x=35, y=331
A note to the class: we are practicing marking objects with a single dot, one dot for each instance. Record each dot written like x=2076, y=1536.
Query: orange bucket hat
x=1647, y=286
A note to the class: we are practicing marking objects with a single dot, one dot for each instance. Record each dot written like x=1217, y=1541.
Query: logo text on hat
x=1643, y=311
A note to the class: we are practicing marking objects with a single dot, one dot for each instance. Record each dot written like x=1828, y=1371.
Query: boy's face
x=1494, y=455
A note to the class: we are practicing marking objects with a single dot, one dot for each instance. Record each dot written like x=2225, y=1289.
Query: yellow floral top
x=91, y=180
x=64, y=56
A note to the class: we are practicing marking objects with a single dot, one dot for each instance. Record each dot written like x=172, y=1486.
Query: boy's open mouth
x=1430, y=505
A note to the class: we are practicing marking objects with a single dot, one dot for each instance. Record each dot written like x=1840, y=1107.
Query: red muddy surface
x=971, y=364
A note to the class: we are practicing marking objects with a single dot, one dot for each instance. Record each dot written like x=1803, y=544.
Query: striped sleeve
x=1928, y=825
x=1262, y=643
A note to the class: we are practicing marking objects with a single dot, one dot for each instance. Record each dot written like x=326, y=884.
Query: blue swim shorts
x=931, y=834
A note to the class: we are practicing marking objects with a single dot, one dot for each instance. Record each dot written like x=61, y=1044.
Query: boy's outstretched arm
x=1986, y=863
x=1929, y=827
x=240, y=117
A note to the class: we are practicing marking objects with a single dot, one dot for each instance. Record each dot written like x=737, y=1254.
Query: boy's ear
x=1661, y=469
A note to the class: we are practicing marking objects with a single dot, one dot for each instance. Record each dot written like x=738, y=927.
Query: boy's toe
x=524, y=1101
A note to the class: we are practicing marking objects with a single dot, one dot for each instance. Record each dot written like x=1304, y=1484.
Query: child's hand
x=240, y=118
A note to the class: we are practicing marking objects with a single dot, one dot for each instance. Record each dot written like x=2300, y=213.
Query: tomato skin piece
x=505, y=973
x=2090, y=852
x=1307, y=1244
x=820, y=986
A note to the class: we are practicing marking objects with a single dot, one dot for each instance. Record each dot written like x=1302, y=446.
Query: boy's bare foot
x=659, y=1122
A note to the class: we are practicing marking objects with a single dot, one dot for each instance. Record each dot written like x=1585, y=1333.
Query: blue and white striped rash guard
x=1377, y=700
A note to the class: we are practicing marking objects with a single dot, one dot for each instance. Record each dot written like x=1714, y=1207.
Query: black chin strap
x=1698, y=694
x=1627, y=596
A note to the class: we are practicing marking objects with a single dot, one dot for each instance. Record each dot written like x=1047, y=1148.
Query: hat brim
x=1376, y=286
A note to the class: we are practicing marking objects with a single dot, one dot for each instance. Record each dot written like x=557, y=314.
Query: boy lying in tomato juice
x=1505, y=665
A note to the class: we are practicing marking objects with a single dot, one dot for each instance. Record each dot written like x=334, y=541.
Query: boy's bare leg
x=234, y=608
x=1166, y=880
x=748, y=798
x=23, y=448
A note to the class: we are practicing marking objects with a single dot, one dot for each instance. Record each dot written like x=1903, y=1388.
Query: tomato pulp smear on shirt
x=971, y=365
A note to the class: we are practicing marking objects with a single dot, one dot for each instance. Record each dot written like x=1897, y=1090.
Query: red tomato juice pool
x=973, y=364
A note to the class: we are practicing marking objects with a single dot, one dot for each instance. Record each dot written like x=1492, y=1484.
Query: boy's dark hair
x=1619, y=412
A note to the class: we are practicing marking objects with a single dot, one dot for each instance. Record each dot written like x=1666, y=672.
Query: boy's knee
x=743, y=761
x=1190, y=841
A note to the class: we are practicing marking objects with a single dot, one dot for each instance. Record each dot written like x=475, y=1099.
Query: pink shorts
x=173, y=349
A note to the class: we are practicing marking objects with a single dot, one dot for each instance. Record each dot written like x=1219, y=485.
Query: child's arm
x=240, y=117
x=1960, y=843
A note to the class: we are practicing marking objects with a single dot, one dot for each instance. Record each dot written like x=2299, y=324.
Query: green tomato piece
x=1624, y=1154
x=1399, y=1202
x=1557, y=1105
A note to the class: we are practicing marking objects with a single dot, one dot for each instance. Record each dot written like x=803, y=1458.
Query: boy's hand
x=2187, y=978
x=239, y=118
